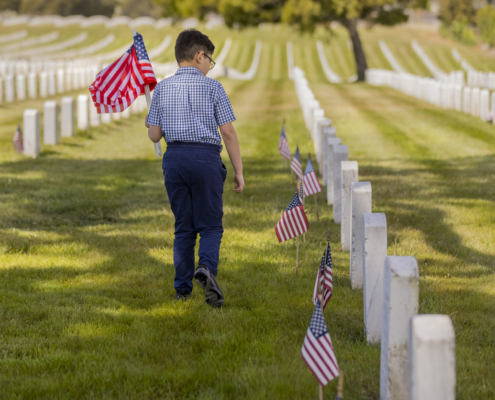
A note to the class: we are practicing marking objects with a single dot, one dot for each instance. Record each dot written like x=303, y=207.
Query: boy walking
x=187, y=110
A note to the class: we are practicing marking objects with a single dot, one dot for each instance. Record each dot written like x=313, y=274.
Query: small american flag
x=18, y=142
x=119, y=84
x=296, y=165
x=317, y=350
x=311, y=183
x=293, y=221
x=325, y=276
x=283, y=145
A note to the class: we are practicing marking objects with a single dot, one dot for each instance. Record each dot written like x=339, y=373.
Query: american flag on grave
x=293, y=221
x=325, y=276
x=119, y=84
x=311, y=183
x=317, y=349
x=296, y=165
x=18, y=141
x=283, y=145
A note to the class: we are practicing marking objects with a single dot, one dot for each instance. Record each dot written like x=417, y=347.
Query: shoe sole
x=214, y=298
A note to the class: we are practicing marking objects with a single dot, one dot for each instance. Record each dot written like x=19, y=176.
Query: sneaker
x=205, y=278
x=182, y=295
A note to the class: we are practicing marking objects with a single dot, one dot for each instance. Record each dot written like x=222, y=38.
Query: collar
x=188, y=70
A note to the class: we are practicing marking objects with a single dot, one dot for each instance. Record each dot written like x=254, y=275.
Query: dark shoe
x=205, y=278
x=182, y=295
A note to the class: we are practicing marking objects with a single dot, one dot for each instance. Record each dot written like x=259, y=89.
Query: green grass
x=86, y=233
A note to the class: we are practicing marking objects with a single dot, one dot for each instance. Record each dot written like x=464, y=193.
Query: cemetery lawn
x=86, y=233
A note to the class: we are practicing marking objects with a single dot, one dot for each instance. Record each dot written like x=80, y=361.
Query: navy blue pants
x=194, y=177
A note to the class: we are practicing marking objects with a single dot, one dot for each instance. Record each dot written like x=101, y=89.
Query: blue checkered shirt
x=189, y=107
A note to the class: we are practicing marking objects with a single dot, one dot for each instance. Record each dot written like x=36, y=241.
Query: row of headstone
x=45, y=84
x=60, y=121
x=83, y=22
x=446, y=95
x=411, y=344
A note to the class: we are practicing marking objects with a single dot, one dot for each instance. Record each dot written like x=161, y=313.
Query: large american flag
x=296, y=165
x=18, y=142
x=293, y=221
x=119, y=84
x=311, y=183
x=325, y=276
x=283, y=145
x=317, y=350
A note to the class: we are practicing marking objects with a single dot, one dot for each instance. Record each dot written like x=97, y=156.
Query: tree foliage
x=486, y=24
x=457, y=10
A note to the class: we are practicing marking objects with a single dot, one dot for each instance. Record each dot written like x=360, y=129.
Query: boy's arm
x=232, y=144
x=154, y=132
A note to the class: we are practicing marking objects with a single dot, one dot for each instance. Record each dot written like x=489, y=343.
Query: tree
x=486, y=25
x=457, y=10
x=305, y=14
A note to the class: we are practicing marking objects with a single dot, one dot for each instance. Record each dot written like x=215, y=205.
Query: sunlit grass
x=86, y=236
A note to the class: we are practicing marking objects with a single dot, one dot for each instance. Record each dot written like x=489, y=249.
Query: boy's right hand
x=239, y=183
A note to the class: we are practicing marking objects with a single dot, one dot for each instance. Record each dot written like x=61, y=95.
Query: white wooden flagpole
x=158, y=146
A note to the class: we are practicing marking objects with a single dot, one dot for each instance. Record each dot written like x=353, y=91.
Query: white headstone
x=458, y=97
x=1, y=90
x=82, y=112
x=9, y=88
x=67, y=117
x=375, y=251
x=340, y=153
x=52, y=85
x=106, y=118
x=94, y=117
x=68, y=79
x=466, y=100
x=432, y=373
x=329, y=177
x=32, y=85
x=475, y=102
x=135, y=106
x=126, y=113
x=400, y=304
x=116, y=116
x=485, y=105
x=360, y=204
x=50, y=122
x=21, y=87
x=327, y=133
x=142, y=103
x=31, y=134
x=349, y=176
x=60, y=81
x=318, y=115
x=321, y=123
x=43, y=84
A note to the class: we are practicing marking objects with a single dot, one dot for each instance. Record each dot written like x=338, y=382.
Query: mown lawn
x=86, y=273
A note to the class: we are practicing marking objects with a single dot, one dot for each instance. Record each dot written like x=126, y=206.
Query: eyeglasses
x=212, y=63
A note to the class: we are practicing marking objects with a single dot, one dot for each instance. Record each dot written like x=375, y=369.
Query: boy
x=187, y=110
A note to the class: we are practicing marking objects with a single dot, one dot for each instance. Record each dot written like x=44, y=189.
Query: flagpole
x=340, y=387
x=297, y=254
x=316, y=206
x=320, y=291
x=158, y=146
x=302, y=201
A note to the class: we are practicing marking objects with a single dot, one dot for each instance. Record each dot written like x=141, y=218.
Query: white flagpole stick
x=316, y=205
x=321, y=391
x=297, y=254
x=158, y=146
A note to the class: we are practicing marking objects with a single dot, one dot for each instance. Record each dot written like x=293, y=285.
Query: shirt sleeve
x=223, y=109
x=154, y=114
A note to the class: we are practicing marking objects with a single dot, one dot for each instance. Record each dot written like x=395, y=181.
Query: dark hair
x=189, y=42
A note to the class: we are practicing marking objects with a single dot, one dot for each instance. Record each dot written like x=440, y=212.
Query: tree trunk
x=361, y=64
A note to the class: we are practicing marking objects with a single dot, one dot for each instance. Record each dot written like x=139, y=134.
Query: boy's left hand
x=146, y=121
x=239, y=183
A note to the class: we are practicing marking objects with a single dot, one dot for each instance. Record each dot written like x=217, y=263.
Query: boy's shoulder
x=177, y=79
